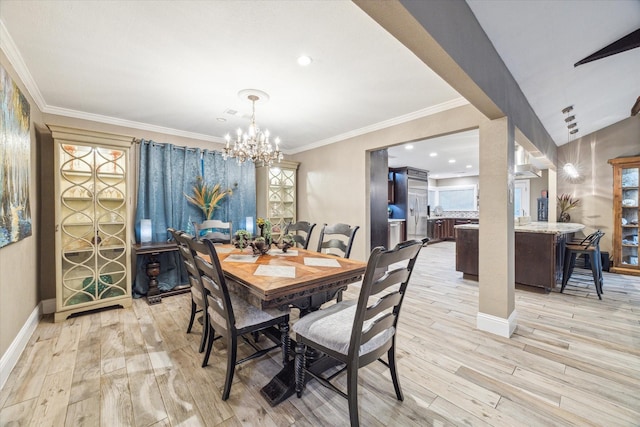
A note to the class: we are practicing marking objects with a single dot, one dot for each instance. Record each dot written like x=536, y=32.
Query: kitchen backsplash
x=459, y=214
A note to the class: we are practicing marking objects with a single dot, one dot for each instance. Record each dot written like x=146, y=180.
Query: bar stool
x=590, y=245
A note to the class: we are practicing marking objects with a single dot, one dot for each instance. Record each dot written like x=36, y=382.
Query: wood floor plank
x=85, y=413
x=115, y=405
x=18, y=414
x=51, y=406
x=29, y=383
x=142, y=384
x=86, y=373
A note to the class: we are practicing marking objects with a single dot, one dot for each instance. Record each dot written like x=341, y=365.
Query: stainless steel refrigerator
x=418, y=211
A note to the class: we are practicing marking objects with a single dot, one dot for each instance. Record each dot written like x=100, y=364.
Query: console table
x=151, y=252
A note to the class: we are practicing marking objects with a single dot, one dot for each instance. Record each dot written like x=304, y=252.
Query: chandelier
x=253, y=144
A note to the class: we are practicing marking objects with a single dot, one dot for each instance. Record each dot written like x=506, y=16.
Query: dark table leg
x=283, y=384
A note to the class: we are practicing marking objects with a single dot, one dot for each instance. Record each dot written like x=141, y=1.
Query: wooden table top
x=304, y=278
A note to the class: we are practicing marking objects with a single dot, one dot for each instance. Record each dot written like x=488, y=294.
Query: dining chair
x=214, y=229
x=337, y=236
x=356, y=333
x=231, y=316
x=303, y=226
x=197, y=296
x=590, y=245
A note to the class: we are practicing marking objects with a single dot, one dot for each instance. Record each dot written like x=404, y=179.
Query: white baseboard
x=11, y=356
x=498, y=325
x=48, y=306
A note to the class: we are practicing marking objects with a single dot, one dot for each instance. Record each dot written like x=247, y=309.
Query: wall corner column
x=496, y=308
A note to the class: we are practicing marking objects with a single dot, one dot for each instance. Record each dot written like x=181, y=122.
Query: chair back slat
x=303, y=226
x=182, y=240
x=403, y=254
x=388, y=280
x=379, y=325
x=337, y=236
x=385, y=268
x=216, y=230
x=382, y=304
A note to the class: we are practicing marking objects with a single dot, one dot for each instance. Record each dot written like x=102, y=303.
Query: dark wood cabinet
x=538, y=256
x=391, y=192
x=443, y=228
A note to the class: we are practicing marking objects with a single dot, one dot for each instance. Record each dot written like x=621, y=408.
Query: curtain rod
x=139, y=141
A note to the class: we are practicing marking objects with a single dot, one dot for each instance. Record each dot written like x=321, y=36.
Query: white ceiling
x=461, y=147
x=176, y=67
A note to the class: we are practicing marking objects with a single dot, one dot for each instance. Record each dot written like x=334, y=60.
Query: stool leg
x=600, y=278
x=568, y=255
x=595, y=273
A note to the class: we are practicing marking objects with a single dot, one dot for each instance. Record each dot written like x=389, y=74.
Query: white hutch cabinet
x=92, y=220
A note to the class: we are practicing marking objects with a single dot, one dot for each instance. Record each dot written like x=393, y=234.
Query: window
x=521, y=205
x=458, y=198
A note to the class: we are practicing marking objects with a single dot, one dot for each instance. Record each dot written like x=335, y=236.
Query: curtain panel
x=165, y=174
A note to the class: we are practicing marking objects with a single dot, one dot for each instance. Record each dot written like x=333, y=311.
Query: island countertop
x=538, y=227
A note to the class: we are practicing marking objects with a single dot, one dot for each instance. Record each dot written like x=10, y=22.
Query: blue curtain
x=241, y=178
x=166, y=174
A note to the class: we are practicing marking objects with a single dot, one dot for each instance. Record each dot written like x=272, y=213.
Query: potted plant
x=242, y=239
x=207, y=197
x=566, y=202
x=265, y=229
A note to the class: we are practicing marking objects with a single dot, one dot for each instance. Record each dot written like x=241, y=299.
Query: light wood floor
x=573, y=360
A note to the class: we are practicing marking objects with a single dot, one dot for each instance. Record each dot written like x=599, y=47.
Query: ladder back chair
x=358, y=333
x=197, y=295
x=215, y=230
x=303, y=226
x=337, y=236
x=231, y=316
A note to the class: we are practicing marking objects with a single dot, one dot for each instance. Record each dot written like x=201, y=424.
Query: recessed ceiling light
x=452, y=160
x=221, y=119
x=304, y=60
x=408, y=147
x=469, y=166
x=433, y=154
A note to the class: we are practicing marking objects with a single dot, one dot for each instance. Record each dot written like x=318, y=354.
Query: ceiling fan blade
x=630, y=41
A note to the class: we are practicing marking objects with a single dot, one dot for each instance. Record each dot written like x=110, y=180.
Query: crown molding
x=13, y=55
x=130, y=124
x=454, y=103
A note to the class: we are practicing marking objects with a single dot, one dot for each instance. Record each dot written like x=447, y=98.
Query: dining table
x=295, y=278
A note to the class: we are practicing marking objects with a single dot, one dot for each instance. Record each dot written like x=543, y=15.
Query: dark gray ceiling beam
x=447, y=37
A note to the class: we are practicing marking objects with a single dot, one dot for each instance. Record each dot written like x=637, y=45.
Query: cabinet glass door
x=92, y=214
x=629, y=217
x=282, y=197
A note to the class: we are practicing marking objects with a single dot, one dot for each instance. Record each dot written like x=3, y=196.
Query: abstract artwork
x=15, y=165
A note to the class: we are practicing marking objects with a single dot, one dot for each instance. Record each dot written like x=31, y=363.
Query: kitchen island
x=539, y=252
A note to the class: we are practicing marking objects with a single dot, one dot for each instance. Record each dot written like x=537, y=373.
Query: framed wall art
x=15, y=162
